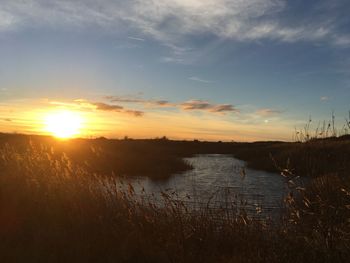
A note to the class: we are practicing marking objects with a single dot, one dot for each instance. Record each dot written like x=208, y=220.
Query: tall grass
x=323, y=130
x=52, y=210
x=313, y=158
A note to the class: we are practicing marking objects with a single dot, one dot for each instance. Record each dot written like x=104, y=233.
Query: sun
x=63, y=124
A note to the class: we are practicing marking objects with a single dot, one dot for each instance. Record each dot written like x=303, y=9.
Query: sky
x=241, y=70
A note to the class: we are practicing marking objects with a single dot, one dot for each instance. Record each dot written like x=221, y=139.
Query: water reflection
x=218, y=181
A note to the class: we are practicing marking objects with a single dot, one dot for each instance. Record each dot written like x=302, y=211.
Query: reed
x=53, y=210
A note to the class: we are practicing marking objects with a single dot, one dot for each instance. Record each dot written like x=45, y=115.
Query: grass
x=308, y=159
x=54, y=210
x=122, y=157
x=160, y=158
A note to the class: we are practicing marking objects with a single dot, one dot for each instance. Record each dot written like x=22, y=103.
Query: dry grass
x=308, y=159
x=123, y=157
x=53, y=211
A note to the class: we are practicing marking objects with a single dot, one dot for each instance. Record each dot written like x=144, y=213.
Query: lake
x=218, y=181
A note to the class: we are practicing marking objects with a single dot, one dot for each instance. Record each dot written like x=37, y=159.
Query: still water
x=218, y=181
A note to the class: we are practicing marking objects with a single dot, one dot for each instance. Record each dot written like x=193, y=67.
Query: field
x=60, y=202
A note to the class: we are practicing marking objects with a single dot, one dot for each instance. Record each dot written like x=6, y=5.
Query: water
x=219, y=181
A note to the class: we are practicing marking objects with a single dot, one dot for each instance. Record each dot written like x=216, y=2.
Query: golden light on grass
x=63, y=124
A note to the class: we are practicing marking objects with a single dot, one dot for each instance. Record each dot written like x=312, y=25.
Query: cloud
x=133, y=99
x=7, y=119
x=196, y=105
x=343, y=41
x=107, y=107
x=100, y=106
x=136, y=113
x=7, y=20
x=187, y=105
x=175, y=22
x=127, y=99
x=199, y=79
x=162, y=103
x=137, y=39
x=175, y=59
x=324, y=98
x=223, y=108
x=267, y=112
x=206, y=106
x=115, y=108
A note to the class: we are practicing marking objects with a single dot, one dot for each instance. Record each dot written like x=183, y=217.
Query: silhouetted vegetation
x=160, y=158
x=119, y=157
x=312, y=158
x=55, y=208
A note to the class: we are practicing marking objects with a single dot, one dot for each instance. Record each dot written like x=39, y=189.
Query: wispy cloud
x=127, y=99
x=115, y=108
x=137, y=39
x=107, y=107
x=207, y=106
x=224, y=108
x=199, y=79
x=133, y=99
x=174, y=59
x=87, y=105
x=187, y=105
x=190, y=105
x=196, y=105
x=174, y=22
x=7, y=20
x=136, y=113
x=162, y=103
x=266, y=112
x=324, y=98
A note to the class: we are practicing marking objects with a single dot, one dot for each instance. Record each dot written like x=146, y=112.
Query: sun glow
x=63, y=124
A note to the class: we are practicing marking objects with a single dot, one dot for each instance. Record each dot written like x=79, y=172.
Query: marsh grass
x=323, y=130
x=151, y=158
x=319, y=216
x=307, y=159
x=52, y=210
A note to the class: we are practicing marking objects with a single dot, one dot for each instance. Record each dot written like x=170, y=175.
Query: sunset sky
x=207, y=69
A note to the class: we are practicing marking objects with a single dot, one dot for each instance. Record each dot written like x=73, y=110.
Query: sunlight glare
x=63, y=124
